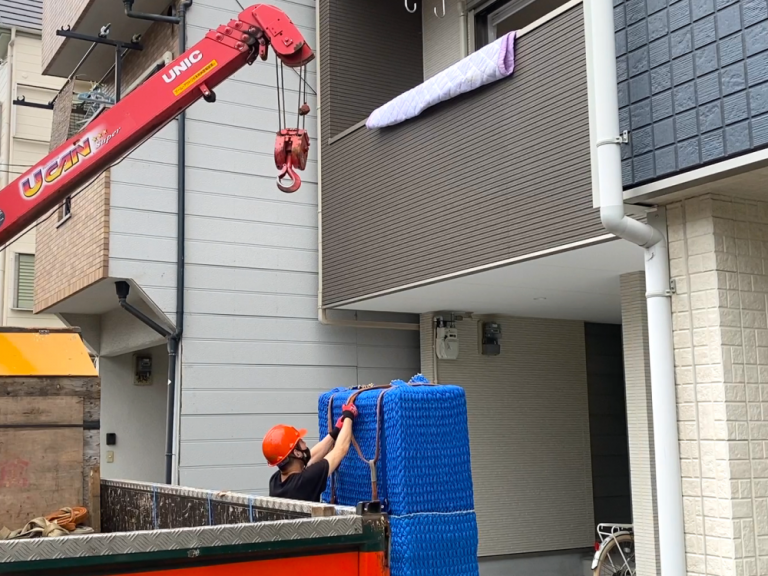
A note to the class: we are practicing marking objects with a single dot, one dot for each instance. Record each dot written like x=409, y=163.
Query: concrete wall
x=137, y=415
x=529, y=433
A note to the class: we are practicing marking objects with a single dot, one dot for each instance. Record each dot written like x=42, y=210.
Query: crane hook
x=438, y=15
x=415, y=7
x=293, y=178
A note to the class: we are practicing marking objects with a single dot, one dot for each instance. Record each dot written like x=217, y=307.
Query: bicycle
x=615, y=554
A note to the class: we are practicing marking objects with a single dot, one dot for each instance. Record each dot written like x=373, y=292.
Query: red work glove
x=348, y=411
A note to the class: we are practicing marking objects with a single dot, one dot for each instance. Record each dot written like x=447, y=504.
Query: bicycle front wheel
x=618, y=557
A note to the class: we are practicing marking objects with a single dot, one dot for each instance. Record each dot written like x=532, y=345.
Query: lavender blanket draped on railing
x=489, y=64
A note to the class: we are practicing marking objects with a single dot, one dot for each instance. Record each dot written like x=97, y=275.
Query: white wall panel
x=253, y=353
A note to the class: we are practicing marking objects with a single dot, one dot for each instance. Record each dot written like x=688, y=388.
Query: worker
x=302, y=473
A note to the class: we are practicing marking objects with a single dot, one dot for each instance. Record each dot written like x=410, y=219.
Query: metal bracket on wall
x=666, y=294
x=22, y=101
x=621, y=139
x=672, y=287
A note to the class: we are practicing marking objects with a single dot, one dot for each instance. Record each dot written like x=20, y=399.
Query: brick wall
x=75, y=254
x=717, y=246
x=58, y=13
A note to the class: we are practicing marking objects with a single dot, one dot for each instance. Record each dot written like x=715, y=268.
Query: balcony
x=498, y=174
x=61, y=55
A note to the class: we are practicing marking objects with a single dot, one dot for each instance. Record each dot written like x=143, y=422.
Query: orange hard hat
x=279, y=442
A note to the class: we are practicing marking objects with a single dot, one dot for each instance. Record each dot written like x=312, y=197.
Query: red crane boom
x=124, y=126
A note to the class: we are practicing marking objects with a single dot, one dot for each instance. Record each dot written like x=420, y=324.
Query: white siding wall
x=254, y=353
x=529, y=433
x=29, y=130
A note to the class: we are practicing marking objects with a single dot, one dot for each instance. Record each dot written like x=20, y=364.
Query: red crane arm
x=124, y=126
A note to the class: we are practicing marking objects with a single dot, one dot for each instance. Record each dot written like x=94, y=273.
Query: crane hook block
x=291, y=151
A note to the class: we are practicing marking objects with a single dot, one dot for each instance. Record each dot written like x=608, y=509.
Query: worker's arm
x=322, y=448
x=344, y=440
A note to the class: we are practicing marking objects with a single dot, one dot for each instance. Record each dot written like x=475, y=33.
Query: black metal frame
x=120, y=50
x=22, y=101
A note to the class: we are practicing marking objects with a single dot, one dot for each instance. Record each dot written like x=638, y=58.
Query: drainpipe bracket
x=623, y=138
x=666, y=294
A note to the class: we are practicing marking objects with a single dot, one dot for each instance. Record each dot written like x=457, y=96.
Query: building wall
x=24, y=136
x=424, y=198
x=362, y=66
x=136, y=414
x=442, y=36
x=58, y=13
x=693, y=82
x=529, y=432
x=634, y=318
x=253, y=351
x=717, y=250
x=82, y=251
x=73, y=254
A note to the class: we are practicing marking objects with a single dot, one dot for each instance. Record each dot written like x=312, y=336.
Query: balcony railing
x=496, y=174
x=70, y=114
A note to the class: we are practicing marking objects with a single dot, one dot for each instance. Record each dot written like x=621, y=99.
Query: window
x=65, y=211
x=494, y=19
x=25, y=281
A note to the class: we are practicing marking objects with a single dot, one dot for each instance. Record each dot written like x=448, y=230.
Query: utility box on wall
x=489, y=337
x=446, y=340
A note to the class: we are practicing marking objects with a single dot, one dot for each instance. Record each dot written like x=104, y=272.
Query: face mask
x=305, y=455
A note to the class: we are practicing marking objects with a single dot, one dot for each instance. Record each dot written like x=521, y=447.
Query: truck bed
x=157, y=529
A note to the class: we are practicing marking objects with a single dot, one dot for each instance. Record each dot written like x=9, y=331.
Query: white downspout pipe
x=463, y=36
x=601, y=42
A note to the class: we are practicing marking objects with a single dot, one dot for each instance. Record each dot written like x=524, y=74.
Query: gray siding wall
x=693, y=82
x=253, y=353
x=442, y=36
x=370, y=52
x=608, y=424
x=529, y=434
x=501, y=172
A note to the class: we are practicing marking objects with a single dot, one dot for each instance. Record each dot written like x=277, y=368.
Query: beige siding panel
x=529, y=433
x=33, y=123
x=640, y=423
x=501, y=172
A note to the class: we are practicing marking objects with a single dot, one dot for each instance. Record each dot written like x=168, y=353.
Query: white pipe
x=5, y=160
x=463, y=39
x=322, y=313
x=658, y=295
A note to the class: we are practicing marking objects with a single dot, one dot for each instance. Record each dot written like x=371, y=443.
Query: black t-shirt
x=307, y=485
